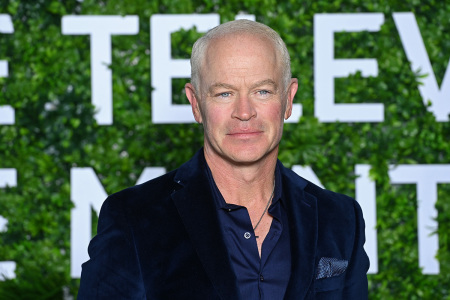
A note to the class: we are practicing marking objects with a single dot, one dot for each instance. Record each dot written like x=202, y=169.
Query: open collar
x=194, y=202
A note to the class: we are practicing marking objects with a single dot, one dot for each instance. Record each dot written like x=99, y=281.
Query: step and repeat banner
x=92, y=102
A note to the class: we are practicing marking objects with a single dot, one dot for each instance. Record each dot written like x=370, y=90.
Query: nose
x=244, y=109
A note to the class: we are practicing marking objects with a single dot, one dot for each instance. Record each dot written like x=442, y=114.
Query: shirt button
x=247, y=235
x=261, y=277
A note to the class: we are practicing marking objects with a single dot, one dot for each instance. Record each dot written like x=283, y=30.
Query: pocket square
x=329, y=267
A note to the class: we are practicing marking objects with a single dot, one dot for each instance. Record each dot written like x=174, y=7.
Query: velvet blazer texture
x=162, y=240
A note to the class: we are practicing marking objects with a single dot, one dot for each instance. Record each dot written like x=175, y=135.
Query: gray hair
x=237, y=27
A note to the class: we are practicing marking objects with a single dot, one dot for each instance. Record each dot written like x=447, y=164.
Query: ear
x=292, y=89
x=192, y=97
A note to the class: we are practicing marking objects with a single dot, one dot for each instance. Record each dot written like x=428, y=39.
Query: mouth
x=245, y=134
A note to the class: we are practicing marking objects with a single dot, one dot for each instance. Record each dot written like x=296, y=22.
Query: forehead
x=240, y=44
x=240, y=55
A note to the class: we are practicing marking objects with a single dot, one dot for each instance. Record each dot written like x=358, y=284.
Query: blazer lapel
x=195, y=205
x=302, y=217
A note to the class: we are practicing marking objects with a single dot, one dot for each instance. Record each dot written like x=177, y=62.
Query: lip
x=244, y=134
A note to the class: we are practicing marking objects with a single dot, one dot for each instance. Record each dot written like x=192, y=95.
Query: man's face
x=242, y=101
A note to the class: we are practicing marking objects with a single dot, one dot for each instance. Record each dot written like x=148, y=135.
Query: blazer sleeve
x=113, y=271
x=356, y=286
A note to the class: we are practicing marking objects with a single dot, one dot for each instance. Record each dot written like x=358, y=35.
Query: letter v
x=415, y=51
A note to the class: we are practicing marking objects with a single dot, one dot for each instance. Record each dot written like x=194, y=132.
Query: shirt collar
x=220, y=201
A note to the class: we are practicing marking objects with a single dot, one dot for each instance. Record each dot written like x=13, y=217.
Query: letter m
x=87, y=193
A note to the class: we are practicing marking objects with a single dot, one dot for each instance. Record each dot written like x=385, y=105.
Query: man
x=231, y=223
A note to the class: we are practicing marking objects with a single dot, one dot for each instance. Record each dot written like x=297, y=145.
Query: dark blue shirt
x=257, y=278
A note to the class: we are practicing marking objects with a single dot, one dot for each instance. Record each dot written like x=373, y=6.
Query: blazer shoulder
x=153, y=191
x=323, y=196
x=328, y=198
x=156, y=194
x=327, y=201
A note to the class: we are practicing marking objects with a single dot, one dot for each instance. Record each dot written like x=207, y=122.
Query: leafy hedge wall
x=48, y=69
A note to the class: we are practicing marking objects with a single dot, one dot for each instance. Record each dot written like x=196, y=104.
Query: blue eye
x=225, y=95
x=263, y=92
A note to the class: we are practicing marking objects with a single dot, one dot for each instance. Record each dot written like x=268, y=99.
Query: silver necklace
x=267, y=206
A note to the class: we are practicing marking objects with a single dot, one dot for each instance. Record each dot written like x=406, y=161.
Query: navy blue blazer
x=162, y=240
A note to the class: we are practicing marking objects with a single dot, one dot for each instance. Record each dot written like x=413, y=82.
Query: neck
x=247, y=185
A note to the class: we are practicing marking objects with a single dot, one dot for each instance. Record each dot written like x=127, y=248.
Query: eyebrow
x=220, y=85
x=265, y=82
x=232, y=87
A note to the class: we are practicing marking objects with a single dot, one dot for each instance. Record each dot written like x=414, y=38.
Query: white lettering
x=426, y=177
x=416, y=52
x=366, y=196
x=326, y=68
x=87, y=192
x=245, y=17
x=100, y=28
x=3, y=224
x=150, y=173
x=7, y=114
x=8, y=177
x=307, y=173
x=7, y=270
x=164, y=68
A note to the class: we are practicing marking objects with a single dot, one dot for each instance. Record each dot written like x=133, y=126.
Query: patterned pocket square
x=329, y=267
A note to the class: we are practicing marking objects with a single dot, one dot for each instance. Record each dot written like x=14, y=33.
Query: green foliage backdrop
x=49, y=69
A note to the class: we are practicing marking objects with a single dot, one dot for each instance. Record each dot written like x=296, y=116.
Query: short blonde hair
x=238, y=27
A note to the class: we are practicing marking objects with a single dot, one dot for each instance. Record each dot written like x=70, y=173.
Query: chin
x=247, y=156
